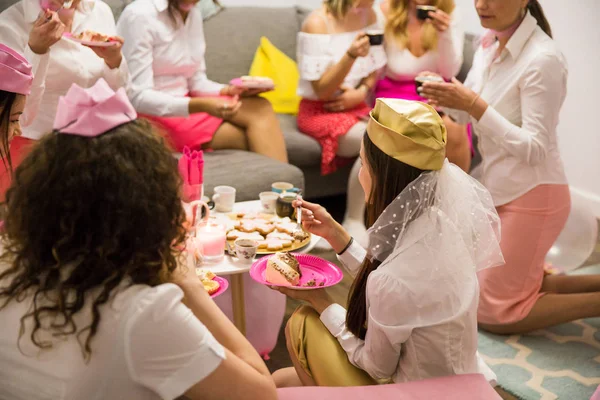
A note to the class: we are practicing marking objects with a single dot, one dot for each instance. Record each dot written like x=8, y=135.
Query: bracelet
x=347, y=246
x=350, y=55
x=472, y=104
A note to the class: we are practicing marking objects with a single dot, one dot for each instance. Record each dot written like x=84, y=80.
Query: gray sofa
x=233, y=36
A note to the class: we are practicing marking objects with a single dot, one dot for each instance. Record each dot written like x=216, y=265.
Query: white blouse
x=415, y=331
x=525, y=88
x=148, y=346
x=317, y=52
x=166, y=60
x=64, y=64
x=446, y=60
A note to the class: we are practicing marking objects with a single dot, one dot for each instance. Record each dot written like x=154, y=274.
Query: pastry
x=256, y=225
x=92, y=36
x=283, y=269
x=286, y=227
x=300, y=235
x=235, y=234
x=274, y=244
x=280, y=235
x=207, y=279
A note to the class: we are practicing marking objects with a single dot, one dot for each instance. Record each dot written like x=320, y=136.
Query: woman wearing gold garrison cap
x=431, y=228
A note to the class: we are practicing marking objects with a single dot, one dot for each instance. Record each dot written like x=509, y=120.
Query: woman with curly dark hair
x=92, y=281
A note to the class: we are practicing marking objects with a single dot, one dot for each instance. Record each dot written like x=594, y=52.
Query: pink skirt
x=193, y=131
x=530, y=226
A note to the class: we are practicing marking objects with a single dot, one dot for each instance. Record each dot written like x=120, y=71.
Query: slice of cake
x=283, y=269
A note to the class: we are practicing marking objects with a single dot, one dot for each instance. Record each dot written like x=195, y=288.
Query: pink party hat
x=15, y=72
x=94, y=111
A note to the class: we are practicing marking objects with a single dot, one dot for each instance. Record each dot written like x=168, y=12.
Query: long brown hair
x=389, y=178
x=397, y=21
x=7, y=100
x=86, y=217
x=535, y=8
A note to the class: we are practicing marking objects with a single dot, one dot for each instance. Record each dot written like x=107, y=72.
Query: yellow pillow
x=271, y=62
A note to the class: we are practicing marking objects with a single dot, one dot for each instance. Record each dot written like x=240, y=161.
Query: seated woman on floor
x=412, y=309
x=95, y=299
x=414, y=45
x=164, y=47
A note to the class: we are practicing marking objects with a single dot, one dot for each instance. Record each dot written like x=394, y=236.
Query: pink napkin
x=191, y=168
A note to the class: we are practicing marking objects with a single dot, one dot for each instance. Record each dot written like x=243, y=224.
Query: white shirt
x=148, y=346
x=445, y=60
x=166, y=60
x=418, y=326
x=64, y=64
x=525, y=88
x=317, y=52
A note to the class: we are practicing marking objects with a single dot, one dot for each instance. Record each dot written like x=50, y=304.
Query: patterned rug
x=562, y=362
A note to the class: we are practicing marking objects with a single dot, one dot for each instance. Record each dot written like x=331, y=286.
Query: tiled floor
x=279, y=356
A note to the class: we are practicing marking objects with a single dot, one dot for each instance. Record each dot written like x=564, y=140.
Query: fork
x=298, y=227
x=66, y=5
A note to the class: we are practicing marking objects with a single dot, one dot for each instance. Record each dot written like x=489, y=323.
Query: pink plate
x=89, y=43
x=252, y=85
x=324, y=273
x=224, y=285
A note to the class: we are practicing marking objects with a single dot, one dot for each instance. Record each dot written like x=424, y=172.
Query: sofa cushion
x=233, y=36
x=249, y=173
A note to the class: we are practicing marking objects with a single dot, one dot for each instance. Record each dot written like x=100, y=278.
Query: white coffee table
x=231, y=266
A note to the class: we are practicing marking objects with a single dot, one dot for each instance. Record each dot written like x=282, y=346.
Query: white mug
x=224, y=198
x=268, y=201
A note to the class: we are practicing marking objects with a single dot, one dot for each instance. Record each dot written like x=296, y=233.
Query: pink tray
x=224, y=285
x=324, y=273
x=252, y=85
x=88, y=42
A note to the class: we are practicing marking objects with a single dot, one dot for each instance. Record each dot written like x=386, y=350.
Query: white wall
x=577, y=31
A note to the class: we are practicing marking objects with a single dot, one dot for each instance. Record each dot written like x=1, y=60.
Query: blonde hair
x=338, y=8
x=397, y=22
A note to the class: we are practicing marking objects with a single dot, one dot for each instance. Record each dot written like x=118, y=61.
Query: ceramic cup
x=268, y=201
x=375, y=37
x=224, y=198
x=245, y=250
x=423, y=12
x=419, y=80
x=280, y=187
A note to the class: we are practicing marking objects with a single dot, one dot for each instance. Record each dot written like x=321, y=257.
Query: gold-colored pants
x=318, y=357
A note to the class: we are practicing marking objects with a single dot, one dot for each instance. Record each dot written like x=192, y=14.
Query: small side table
x=235, y=269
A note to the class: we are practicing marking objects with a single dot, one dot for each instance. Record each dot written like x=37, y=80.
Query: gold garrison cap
x=409, y=131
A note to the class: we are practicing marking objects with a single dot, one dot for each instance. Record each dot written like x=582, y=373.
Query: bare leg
x=257, y=118
x=458, y=150
x=571, y=284
x=287, y=377
x=552, y=309
x=228, y=136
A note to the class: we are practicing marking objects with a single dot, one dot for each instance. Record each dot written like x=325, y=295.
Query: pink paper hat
x=94, y=111
x=15, y=72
